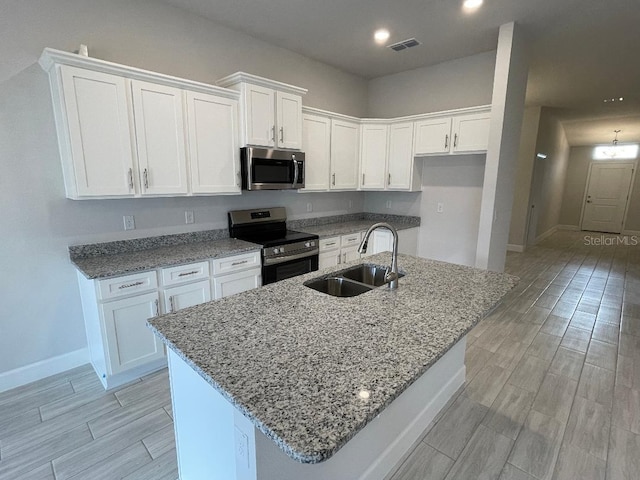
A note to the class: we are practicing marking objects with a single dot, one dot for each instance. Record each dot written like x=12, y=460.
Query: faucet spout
x=392, y=276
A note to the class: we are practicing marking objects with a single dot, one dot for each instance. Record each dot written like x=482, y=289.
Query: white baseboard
x=547, y=234
x=45, y=368
x=571, y=228
x=631, y=232
x=515, y=248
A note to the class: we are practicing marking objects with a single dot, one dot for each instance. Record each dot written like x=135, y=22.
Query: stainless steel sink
x=337, y=286
x=366, y=273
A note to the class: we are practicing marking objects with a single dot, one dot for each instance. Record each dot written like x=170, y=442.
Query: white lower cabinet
x=129, y=342
x=183, y=296
x=232, y=283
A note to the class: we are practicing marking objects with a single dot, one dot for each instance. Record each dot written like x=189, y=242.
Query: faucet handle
x=389, y=276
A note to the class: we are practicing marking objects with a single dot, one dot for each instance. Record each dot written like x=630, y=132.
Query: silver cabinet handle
x=446, y=141
x=157, y=307
x=238, y=178
x=234, y=264
x=281, y=134
x=146, y=178
x=455, y=140
x=363, y=179
x=389, y=179
x=329, y=244
x=334, y=179
x=184, y=274
x=339, y=256
x=172, y=307
x=273, y=133
x=129, y=285
x=131, y=179
x=344, y=257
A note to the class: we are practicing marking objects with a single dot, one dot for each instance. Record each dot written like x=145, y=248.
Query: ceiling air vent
x=403, y=45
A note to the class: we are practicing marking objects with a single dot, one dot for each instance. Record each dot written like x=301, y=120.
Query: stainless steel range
x=285, y=253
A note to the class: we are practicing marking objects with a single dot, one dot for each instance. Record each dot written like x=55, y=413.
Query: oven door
x=288, y=269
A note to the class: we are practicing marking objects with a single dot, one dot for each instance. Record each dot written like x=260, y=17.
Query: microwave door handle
x=295, y=172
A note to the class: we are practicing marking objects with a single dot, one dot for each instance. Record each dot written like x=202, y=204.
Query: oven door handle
x=275, y=261
x=295, y=171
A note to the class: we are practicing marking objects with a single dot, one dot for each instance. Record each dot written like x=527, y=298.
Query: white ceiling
x=582, y=50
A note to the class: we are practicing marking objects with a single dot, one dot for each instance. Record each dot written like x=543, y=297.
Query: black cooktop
x=274, y=238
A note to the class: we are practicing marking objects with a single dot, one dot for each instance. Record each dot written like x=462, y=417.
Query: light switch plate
x=129, y=222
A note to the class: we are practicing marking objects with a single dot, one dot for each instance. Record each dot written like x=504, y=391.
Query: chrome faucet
x=391, y=277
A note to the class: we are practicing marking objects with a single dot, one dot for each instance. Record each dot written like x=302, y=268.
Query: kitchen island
x=284, y=382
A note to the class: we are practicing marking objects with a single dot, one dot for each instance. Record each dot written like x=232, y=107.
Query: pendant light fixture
x=615, y=151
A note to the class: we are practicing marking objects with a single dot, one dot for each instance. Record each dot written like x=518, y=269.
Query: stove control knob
x=276, y=251
x=310, y=244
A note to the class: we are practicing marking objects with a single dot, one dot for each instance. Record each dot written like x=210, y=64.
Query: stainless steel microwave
x=269, y=169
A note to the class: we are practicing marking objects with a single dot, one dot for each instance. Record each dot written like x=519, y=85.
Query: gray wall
x=41, y=312
x=465, y=82
x=580, y=159
x=552, y=171
x=524, y=174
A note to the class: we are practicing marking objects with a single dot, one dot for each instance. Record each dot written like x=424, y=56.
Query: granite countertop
x=293, y=360
x=110, y=265
x=344, y=228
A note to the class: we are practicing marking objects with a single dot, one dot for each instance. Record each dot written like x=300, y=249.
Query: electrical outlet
x=188, y=216
x=309, y=207
x=389, y=204
x=129, y=222
x=242, y=448
x=440, y=207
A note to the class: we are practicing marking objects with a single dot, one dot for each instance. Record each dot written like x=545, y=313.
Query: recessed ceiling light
x=381, y=36
x=471, y=4
x=621, y=99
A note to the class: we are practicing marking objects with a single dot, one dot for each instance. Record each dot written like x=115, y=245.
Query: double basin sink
x=352, y=281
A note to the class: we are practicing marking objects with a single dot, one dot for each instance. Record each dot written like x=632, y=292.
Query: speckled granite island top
x=102, y=266
x=293, y=360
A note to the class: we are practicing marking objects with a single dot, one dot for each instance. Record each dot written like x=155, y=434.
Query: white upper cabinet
x=122, y=131
x=460, y=133
x=471, y=132
x=160, y=138
x=271, y=112
x=344, y=155
x=289, y=120
x=403, y=172
x=214, y=151
x=94, y=133
x=373, y=156
x=433, y=136
x=316, y=144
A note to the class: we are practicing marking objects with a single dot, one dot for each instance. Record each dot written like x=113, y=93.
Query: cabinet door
x=400, y=160
x=160, y=138
x=433, y=136
x=289, y=120
x=184, y=296
x=316, y=144
x=260, y=116
x=344, y=155
x=329, y=259
x=97, y=113
x=382, y=241
x=225, y=285
x=129, y=342
x=373, y=157
x=349, y=254
x=471, y=132
x=214, y=150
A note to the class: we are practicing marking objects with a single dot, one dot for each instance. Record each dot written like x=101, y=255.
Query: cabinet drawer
x=350, y=240
x=236, y=263
x=121, y=286
x=328, y=244
x=226, y=285
x=184, y=273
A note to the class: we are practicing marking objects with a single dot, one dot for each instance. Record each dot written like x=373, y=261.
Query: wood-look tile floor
x=552, y=391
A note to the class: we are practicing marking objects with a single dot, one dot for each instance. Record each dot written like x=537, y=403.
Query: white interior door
x=606, y=199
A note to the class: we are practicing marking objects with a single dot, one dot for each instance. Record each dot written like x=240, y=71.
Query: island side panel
x=204, y=428
x=376, y=449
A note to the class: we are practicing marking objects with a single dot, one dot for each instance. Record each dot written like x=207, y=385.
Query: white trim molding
x=511, y=247
x=546, y=234
x=570, y=228
x=631, y=232
x=42, y=369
